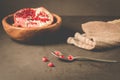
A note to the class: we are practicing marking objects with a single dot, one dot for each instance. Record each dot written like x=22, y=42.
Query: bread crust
x=101, y=35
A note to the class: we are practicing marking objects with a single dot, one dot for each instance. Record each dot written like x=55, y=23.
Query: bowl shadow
x=57, y=37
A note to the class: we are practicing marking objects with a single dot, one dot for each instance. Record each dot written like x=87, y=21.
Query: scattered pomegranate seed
x=70, y=57
x=51, y=64
x=45, y=59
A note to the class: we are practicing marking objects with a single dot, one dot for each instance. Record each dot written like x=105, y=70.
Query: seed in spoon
x=58, y=53
x=70, y=57
x=61, y=56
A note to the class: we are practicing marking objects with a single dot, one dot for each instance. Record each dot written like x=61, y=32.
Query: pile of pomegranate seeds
x=32, y=17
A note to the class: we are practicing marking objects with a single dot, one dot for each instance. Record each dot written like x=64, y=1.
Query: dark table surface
x=20, y=61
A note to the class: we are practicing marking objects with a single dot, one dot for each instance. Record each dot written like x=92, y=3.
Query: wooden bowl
x=26, y=34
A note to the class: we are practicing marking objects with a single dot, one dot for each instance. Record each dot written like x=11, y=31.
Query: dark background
x=19, y=61
x=66, y=7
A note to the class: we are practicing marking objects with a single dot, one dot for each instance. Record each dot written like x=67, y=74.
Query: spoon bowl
x=71, y=58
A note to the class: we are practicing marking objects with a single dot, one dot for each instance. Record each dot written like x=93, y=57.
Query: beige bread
x=100, y=27
x=99, y=34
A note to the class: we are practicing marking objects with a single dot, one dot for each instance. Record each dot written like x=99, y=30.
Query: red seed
x=57, y=53
x=51, y=64
x=70, y=57
x=61, y=56
x=45, y=59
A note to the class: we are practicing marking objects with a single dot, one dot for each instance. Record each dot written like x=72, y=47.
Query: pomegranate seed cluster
x=60, y=55
x=32, y=17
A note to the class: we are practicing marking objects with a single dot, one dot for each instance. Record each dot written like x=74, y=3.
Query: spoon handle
x=95, y=59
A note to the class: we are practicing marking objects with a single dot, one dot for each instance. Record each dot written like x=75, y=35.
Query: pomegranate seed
x=45, y=59
x=70, y=57
x=61, y=56
x=57, y=53
x=51, y=64
x=36, y=18
x=26, y=12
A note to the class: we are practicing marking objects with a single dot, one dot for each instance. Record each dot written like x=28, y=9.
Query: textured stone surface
x=20, y=61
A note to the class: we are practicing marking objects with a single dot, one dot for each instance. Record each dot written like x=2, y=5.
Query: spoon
x=71, y=58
